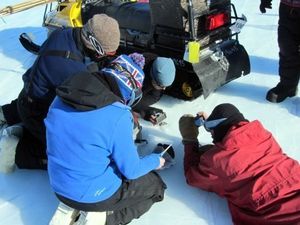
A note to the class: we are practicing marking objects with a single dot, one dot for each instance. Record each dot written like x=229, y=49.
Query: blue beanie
x=163, y=71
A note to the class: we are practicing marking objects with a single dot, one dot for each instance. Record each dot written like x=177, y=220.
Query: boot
x=64, y=215
x=8, y=144
x=280, y=93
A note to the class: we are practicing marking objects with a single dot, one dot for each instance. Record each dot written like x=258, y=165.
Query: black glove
x=169, y=155
x=265, y=4
x=154, y=115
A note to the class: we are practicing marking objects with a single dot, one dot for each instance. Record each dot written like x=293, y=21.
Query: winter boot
x=8, y=144
x=280, y=93
x=65, y=215
x=91, y=218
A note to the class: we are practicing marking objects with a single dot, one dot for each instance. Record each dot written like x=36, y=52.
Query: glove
x=188, y=129
x=169, y=155
x=154, y=115
x=265, y=4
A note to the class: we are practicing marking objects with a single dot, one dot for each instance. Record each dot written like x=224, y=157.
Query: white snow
x=26, y=197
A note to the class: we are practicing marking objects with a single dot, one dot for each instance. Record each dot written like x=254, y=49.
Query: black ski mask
x=231, y=113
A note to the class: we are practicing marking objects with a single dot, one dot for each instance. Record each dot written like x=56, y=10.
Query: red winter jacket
x=248, y=168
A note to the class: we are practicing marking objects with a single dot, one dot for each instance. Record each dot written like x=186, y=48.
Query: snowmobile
x=201, y=36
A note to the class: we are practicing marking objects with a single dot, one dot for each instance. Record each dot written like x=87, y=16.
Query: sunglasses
x=208, y=125
x=94, y=42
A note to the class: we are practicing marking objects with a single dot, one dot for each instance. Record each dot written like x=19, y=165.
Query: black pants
x=133, y=199
x=289, y=45
x=31, y=149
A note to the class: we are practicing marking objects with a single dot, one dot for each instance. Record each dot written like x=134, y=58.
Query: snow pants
x=133, y=199
x=289, y=45
x=31, y=149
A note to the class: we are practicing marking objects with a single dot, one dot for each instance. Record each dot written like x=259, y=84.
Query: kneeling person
x=93, y=163
x=160, y=74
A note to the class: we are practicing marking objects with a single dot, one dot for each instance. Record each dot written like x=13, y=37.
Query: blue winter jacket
x=89, y=142
x=50, y=71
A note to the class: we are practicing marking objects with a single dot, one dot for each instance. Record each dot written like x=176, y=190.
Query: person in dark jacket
x=159, y=74
x=65, y=53
x=93, y=163
x=245, y=165
x=289, y=49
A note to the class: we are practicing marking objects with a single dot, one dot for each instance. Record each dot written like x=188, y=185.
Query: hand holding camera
x=166, y=152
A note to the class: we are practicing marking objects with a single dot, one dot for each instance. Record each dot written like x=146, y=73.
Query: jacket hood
x=244, y=134
x=86, y=91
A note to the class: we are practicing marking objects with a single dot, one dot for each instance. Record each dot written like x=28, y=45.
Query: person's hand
x=265, y=4
x=203, y=115
x=161, y=163
x=188, y=129
x=167, y=152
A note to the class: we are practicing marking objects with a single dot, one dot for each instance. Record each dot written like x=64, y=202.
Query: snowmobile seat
x=135, y=16
x=131, y=15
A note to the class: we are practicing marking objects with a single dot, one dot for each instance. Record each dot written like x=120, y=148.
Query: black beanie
x=229, y=111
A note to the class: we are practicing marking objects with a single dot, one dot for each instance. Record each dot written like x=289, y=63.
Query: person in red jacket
x=245, y=165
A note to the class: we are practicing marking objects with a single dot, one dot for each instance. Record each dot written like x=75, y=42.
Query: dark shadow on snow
x=263, y=65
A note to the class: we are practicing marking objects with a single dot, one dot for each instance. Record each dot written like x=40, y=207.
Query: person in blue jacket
x=93, y=163
x=66, y=52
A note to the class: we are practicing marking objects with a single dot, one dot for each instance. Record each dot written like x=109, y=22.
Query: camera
x=159, y=117
x=199, y=121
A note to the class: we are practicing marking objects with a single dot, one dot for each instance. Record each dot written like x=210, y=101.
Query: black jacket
x=150, y=94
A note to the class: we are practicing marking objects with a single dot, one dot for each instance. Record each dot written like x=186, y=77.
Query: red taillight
x=216, y=20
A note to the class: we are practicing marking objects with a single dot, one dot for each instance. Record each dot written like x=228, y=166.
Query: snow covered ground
x=25, y=195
